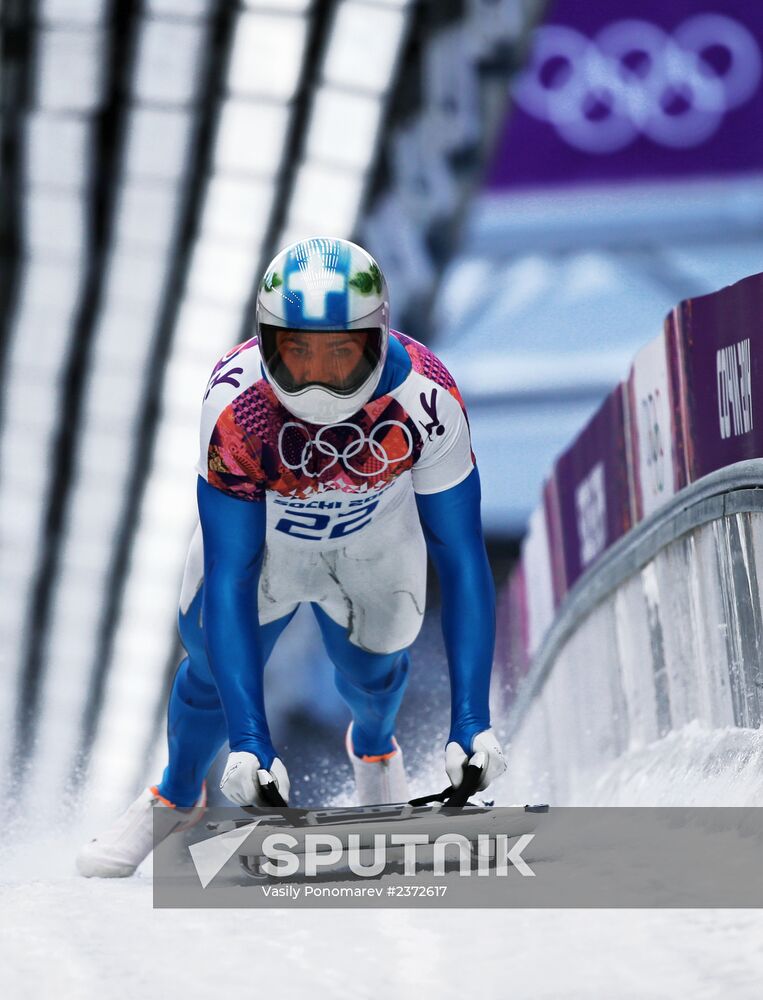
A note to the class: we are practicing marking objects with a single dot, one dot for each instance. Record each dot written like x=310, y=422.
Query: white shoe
x=378, y=780
x=119, y=851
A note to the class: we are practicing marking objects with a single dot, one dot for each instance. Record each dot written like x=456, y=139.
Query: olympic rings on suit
x=635, y=79
x=319, y=445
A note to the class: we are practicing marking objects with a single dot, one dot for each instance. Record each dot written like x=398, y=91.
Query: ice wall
x=678, y=641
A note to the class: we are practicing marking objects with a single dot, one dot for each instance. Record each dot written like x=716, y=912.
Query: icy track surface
x=67, y=937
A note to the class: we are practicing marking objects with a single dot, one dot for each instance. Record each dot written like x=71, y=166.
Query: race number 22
x=311, y=525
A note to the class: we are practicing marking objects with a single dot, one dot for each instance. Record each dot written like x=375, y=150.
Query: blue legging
x=372, y=685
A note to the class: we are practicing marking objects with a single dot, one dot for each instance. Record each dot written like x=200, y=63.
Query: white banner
x=651, y=427
x=536, y=559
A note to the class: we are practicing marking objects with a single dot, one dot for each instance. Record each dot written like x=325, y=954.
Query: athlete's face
x=330, y=358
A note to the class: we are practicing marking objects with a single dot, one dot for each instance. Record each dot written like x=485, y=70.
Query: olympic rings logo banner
x=659, y=85
x=635, y=79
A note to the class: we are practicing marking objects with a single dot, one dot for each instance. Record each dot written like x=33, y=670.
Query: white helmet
x=312, y=289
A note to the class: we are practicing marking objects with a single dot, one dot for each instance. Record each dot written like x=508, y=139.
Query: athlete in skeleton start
x=334, y=454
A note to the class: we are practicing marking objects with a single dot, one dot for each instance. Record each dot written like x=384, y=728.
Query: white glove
x=490, y=758
x=243, y=779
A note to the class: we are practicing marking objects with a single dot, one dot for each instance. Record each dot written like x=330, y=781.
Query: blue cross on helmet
x=322, y=320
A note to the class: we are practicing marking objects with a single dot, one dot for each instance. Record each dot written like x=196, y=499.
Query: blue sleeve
x=453, y=531
x=234, y=545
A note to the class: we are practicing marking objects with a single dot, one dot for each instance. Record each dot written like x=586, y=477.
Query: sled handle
x=455, y=798
x=270, y=794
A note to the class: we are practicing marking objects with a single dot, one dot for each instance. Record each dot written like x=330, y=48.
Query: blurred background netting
x=540, y=182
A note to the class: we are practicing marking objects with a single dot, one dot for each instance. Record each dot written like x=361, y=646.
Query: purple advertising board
x=555, y=544
x=716, y=349
x=512, y=658
x=593, y=487
x=636, y=89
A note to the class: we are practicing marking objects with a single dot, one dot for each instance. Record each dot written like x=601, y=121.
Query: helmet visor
x=339, y=360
